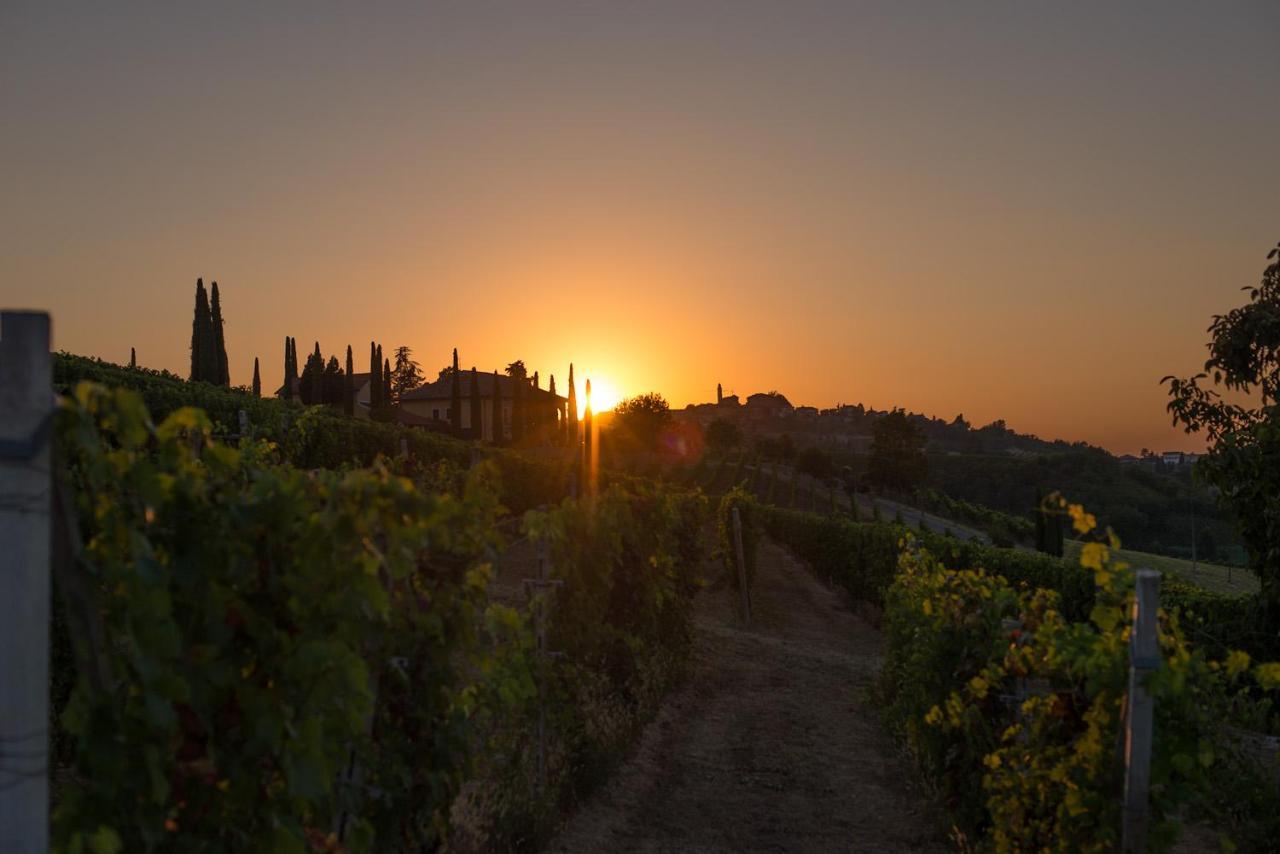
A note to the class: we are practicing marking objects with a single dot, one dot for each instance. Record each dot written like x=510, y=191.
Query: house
x=769, y=404
x=434, y=401
x=360, y=384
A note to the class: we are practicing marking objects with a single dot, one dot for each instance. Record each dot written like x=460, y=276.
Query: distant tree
x=643, y=418
x=257, y=379
x=221, y=368
x=516, y=371
x=455, y=397
x=723, y=435
x=477, y=409
x=572, y=406
x=495, y=416
x=387, y=400
x=204, y=365
x=1244, y=441
x=897, y=453
x=349, y=386
x=553, y=410
x=815, y=462
x=375, y=378
x=312, y=384
x=133, y=358
x=287, y=389
x=406, y=375
x=334, y=382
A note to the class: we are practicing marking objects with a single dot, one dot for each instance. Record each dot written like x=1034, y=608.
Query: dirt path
x=771, y=745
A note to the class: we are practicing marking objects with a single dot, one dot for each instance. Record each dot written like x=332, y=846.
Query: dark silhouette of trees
x=349, y=386
x=1244, y=438
x=723, y=435
x=387, y=400
x=643, y=419
x=257, y=379
x=495, y=417
x=221, y=370
x=516, y=371
x=897, y=459
x=290, y=368
x=406, y=375
x=477, y=409
x=204, y=357
x=334, y=382
x=313, y=385
x=375, y=378
x=571, y=430
x=455, y=396
x=133, y=358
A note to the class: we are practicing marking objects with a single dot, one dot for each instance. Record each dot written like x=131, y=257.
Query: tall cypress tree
x=257, y=379
x=292, y=377
x=572, y=428
x=349, y=386
x=386, y=379
x=375, y=378
x=133, y=358
x=222, y=370
x=455, y=397
x=200, y=329
x=316, y=362
x=477, y=409
x=495, y=416
x=553, y=410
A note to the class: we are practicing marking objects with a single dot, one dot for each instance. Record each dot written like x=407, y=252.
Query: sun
x=604, y=396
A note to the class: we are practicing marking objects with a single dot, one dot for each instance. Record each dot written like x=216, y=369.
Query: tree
x=312, y=385
x=477, y=409
x=406, y=375
x=723, y=435
x=375, y=378
x=222, y=372
x=897, y=453
x=1243, y=459
x=133, y=358
x=572, y=428
x=204, y=361
x=288, y=368
x=333, y=382
x=387, y=402
x=349, y=386
x=516, y=371
x=643, y=419
x=257, y=379
x=495, y=416
x=455, y=397
x=553, y=410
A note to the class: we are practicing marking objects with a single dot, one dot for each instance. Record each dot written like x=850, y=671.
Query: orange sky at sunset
x=1029, y=215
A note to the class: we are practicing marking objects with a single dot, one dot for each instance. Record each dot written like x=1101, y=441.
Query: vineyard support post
x=742, y=566
x=26, y=497
x=1144, y=657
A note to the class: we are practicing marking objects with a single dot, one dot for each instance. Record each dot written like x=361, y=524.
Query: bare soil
x=772, y=744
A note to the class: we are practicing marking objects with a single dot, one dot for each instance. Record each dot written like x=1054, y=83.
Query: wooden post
x=26, y=498
x=742, y=566
x=1144, y=657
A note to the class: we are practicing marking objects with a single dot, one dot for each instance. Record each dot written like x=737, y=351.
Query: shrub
x=745, y=503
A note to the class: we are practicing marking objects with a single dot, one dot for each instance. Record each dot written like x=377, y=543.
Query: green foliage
x=640, y=421
x=897, y=459
x=629, y=560
x=748, y=509
x=723, y=436
x=1004, y=529
x=264, y=626
x=1243, y=461
x=1041, y=770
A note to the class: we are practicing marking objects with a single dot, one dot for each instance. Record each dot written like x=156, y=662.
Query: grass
x=1210, y=576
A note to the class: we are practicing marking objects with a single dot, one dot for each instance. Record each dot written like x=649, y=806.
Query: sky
x=1016, y=211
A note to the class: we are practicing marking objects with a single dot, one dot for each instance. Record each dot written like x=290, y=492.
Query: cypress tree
x=334, y=381
x=477, y=409
x=495, y=417
x=517, y=406
x=133, y=358
x=200, y=328
x=553, y=409
x=316, y=363
x=349, y=386
x=455, y=397
x=375, y=378
x=572, y=427
x=386, y=380
x=257, y=379
x=285, y=391
x=221, y=368
x=292, y=378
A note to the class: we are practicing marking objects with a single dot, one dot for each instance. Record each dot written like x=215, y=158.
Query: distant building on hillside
x=360, y=384
x=432, y=402
x=1178, y=458
x=769, y=404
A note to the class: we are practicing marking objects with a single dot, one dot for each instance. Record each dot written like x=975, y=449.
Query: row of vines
x=253, y=655
x=1006, y=678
